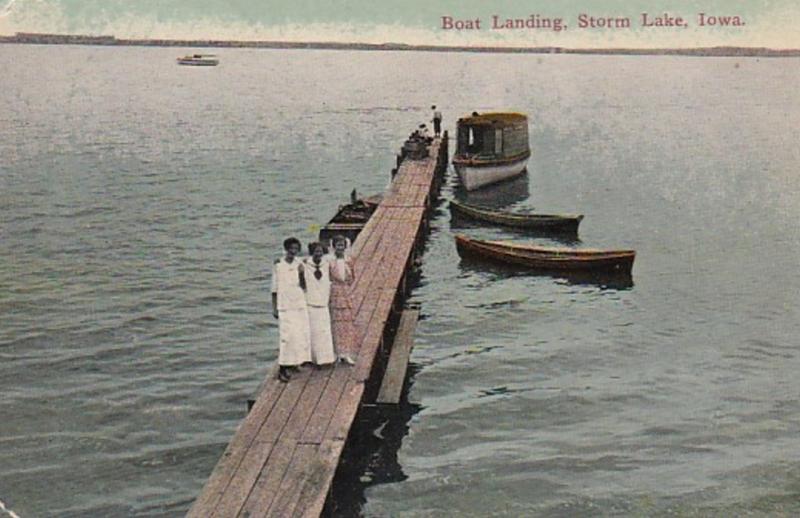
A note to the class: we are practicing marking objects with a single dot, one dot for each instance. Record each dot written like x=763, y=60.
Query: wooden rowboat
x=548, y=259
x=547, y=222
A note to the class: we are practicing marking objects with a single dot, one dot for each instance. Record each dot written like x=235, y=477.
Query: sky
x=762, y=23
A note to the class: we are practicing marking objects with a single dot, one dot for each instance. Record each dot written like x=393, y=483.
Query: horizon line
x=78, y=39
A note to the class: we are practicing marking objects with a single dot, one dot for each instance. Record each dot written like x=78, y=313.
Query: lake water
x=142, y=202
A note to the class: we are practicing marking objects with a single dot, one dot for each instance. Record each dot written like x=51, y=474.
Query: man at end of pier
x=289, y=307
x=437, y=121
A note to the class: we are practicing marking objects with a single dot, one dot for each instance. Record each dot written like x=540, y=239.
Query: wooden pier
x=283, y=457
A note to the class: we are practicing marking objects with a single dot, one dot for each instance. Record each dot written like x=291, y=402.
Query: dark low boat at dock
x=566, y=223
x=547, y=259
x=350, y=218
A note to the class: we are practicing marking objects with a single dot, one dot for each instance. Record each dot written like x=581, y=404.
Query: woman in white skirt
x=289, y=307
x=318, y=296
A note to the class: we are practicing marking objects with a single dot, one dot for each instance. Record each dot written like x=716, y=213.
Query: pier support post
x=395, y=374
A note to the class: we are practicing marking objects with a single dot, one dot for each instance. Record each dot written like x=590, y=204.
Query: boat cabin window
x=475, y=142
x=498, y=141
x=499, y=138
x=483, y=140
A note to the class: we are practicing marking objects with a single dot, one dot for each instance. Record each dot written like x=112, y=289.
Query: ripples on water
x=140, y=203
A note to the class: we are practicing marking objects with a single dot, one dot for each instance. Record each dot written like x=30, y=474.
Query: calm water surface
x=141, y=203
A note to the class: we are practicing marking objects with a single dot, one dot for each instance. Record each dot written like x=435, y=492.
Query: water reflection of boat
x=501, y=195
x=563, y=223
x=491, y=147
x=203, y=60
x=547, y=259
x=602, y=280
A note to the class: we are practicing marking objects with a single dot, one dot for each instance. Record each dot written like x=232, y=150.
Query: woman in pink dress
x=342, y=277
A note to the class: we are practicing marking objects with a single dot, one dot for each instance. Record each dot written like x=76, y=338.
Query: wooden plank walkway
x=283, y=456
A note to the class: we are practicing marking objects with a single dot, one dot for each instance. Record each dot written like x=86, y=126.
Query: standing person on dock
x=437, y=121
x=342, y=277
x=289, y=307
x=318, y=297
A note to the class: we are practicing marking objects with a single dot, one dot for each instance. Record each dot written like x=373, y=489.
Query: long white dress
x=293, y=324
x=318, y=296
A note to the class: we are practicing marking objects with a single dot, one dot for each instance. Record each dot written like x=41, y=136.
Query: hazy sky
x=769, y=23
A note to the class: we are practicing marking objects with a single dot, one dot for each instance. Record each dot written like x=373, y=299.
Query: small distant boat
x=201, y=60
x=491, y=147
x=565, y=223
x=548, y=259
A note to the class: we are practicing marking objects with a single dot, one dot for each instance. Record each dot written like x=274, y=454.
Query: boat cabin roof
x=492, y=118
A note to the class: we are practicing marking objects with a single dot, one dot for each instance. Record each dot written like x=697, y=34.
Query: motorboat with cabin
x=491, y=147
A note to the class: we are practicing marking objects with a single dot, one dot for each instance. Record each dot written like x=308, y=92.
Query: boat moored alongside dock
x=491, y=147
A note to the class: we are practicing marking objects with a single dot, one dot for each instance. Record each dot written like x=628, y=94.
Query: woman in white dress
x=318, y=296
x=289, y=307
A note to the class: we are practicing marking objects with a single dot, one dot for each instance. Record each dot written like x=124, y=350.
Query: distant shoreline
x=69, y=39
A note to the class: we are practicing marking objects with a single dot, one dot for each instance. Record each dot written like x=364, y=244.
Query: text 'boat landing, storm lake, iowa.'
x=587, y=21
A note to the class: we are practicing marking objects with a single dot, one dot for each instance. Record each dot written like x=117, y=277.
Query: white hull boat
x=476, y=176
x=490, y=148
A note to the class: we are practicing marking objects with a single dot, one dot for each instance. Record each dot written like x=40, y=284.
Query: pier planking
x=283, y=456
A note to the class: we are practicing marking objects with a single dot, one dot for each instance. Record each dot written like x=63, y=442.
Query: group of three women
x=310, y=300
